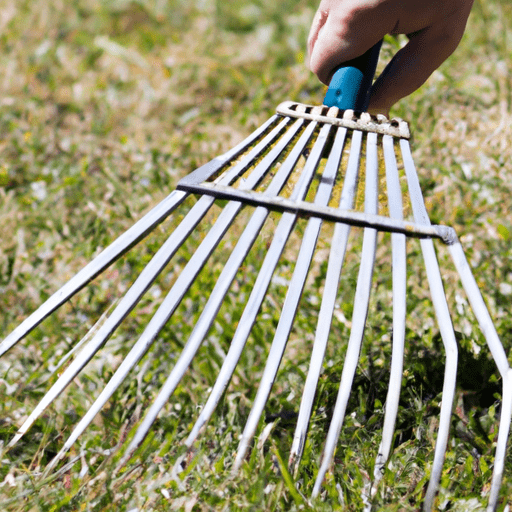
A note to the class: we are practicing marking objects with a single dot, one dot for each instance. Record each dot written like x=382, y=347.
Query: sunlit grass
x=103, y=107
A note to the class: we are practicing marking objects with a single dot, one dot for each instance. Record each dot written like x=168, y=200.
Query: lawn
x=104, y=106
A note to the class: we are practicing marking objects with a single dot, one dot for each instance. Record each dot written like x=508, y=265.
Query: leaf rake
x=308, y=163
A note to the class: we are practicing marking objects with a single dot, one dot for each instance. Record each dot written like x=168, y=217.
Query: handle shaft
x=351, y=82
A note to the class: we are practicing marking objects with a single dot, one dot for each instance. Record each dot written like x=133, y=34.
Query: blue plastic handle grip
x=350, y=84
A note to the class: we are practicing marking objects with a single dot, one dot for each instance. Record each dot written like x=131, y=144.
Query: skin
x=345, y=29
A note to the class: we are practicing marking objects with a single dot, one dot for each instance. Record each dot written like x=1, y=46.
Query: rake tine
x=249, y=315
x=461, y=263
x=183, y=283
x=120, y=246
x=361, y=303
x=486, y=325
x=479, y=308
x=294, y=293
x=115, y=250
x=295, y=290
x=151, y=272
x=285, y=225
x=484, y=320
x=501, y=446
x=180, y=287
x=399, y=311
x=126, y=304
x=445, y=326
x=358, y=323
x=450, y=374
x=336, y=258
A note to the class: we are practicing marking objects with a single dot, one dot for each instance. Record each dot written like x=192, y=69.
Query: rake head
x=310, y=186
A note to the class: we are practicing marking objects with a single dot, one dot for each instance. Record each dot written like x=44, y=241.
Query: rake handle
x=351, y=82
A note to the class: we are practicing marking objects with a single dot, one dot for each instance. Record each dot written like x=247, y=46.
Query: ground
x=104, y=106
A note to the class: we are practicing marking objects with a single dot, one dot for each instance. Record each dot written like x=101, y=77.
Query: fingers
x=344, y=29
x=340, y=33
x=415, y=62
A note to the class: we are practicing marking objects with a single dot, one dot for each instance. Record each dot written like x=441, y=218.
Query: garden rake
x=304, y=163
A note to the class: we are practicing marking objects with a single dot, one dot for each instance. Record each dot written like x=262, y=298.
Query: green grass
x=104, y=106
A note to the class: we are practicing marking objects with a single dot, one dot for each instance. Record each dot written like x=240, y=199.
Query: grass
x=104, y=105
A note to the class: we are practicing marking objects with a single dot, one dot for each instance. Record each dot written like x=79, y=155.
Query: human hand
x=345, y=29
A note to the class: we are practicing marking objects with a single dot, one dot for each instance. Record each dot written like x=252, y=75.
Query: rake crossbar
x=305, y=209
x=303, y=163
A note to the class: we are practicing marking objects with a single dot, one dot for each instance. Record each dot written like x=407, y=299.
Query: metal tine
x=335, y=264
x=153, y=269
x=361, y=303
x=484, y=320
x=450, y=374
x=445, y=326
x=256, y=298
x=110, y=254
x=120, y=246
x=399, y=276
x=486, y=325
x=282, y=232
x=206, y=171
x=468, y=281
x=501, y=446
x=295, y=289
x=135, y=292
x=184, y=281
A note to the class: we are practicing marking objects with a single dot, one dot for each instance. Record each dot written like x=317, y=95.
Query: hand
x=345, y=29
